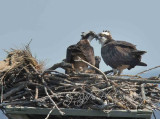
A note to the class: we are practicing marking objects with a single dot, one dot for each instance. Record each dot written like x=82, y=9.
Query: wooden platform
x=132, y=114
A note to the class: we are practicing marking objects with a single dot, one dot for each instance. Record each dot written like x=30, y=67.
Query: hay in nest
x=20, y=58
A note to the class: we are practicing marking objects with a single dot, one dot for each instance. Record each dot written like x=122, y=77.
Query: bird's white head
x=104, y=36
x=106, y=33
x=88, y=35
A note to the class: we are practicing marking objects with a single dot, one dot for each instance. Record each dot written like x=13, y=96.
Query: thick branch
x=9, y=93
x=62, y=65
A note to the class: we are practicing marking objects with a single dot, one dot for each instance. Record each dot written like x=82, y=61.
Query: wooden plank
x=80, y=112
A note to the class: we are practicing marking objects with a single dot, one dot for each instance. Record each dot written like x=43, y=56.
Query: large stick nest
x=24, y=83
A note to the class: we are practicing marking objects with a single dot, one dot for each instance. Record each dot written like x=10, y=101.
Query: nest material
x=24, y=84
x=24, y=57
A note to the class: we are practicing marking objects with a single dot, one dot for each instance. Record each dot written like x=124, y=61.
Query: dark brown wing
x=87, y=51
x=72, y=51
x=124, y=44
x=82, y=48
x=118, y=53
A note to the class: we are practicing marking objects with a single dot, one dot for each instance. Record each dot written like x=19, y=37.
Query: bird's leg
x=115, y=72
x=120, y=71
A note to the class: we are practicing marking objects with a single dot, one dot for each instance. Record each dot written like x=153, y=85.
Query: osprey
x=119, y=55
x=82, y=49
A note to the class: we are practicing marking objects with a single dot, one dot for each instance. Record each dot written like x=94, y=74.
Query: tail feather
x=142, y=64
x=138, y=52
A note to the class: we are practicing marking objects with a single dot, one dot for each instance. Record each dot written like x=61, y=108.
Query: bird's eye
x=100, y=35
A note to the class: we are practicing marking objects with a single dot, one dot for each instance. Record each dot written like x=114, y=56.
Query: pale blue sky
x=55, y=24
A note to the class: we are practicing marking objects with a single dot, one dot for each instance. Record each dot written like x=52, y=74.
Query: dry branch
x=148, y=70
x=116, y=102
x=14, y=90
x=140, y=80
x=63, y=65
x=143, y=93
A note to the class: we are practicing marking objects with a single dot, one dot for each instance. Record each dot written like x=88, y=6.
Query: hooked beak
x=97, y=36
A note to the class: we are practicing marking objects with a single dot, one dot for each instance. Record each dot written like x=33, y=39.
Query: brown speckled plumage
x=120, y=54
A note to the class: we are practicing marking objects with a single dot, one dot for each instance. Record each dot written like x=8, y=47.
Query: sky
x=53, y=25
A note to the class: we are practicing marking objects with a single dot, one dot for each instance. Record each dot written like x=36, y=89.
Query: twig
x=2, y=80
x=36, y=93
x=61, y=65
x=27, y=46
x=143, y=93
x=116, y=102
x=133, y=76
x=147, y=70
x=93, y=97
x=9, y=93
x=129, y=100
x=50, y=112
x=62, y=113
x=94, y=68
x=141, y=80
x=2, y=91
x=16, y=103
x=18, y=96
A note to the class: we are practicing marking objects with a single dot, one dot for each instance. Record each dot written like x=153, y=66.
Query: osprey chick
x=119, y=55
x=82, y=49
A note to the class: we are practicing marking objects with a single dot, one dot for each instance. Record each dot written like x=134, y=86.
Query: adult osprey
x=119, y=55
x=82, y=49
